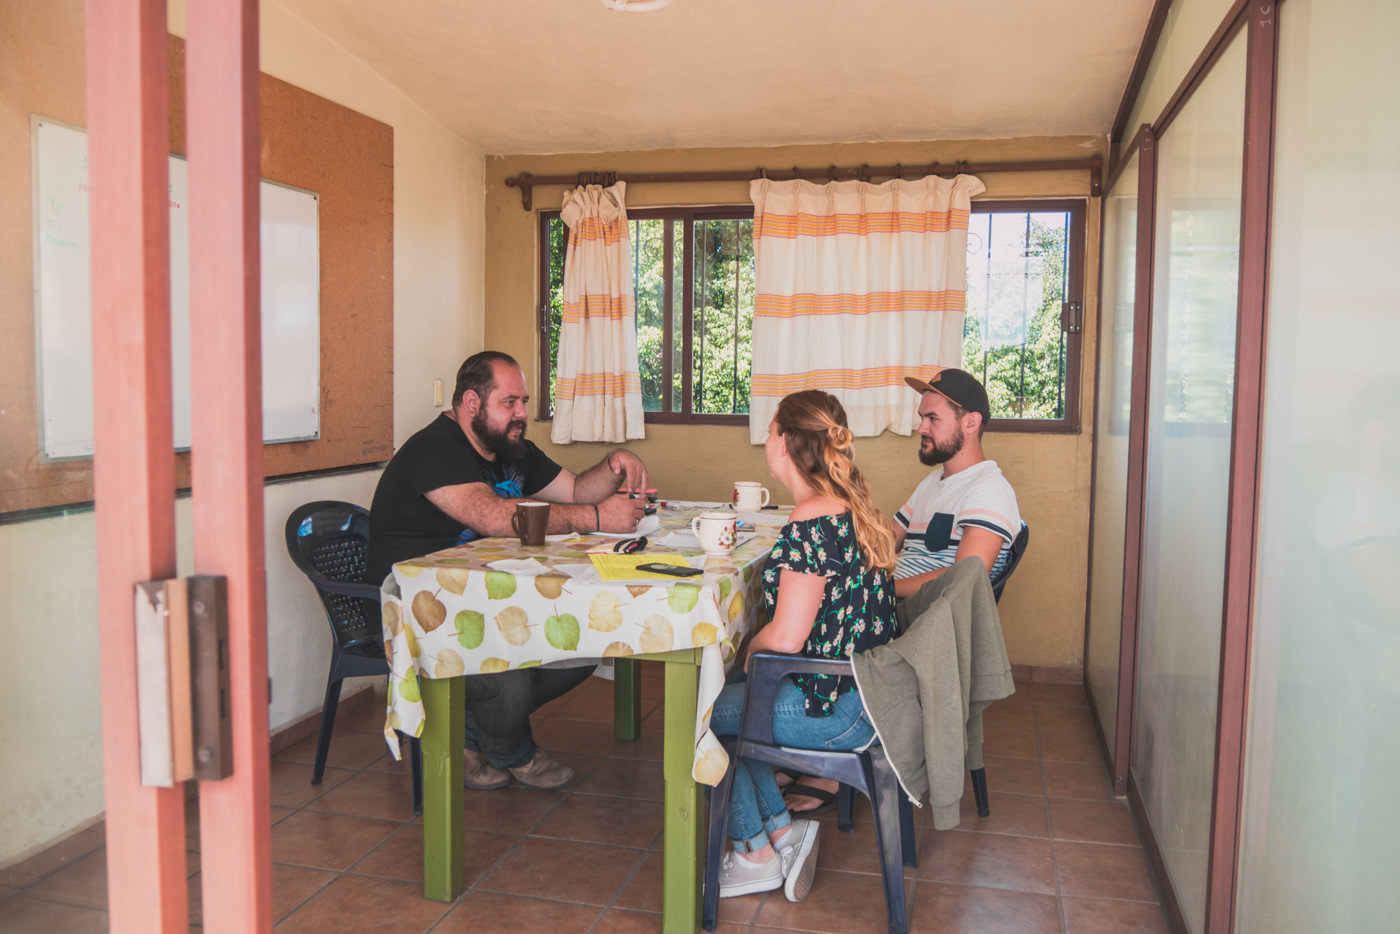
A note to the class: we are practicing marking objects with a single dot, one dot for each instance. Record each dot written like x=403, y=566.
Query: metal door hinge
x=1072, y=317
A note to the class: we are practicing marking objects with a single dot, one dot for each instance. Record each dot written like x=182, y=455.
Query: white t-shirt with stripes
x=935, y=516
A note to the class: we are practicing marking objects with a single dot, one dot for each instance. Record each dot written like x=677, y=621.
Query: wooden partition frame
x=1259, y=18
x=235, y=816
x=1261, y=69
x=134, y=485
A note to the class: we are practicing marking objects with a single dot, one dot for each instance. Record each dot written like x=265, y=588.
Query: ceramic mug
x=531, y=521
x=750, y=496
x=714, y=531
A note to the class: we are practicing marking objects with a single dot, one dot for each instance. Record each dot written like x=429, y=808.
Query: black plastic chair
x=1018, y=551
x=867, y=771
x=329, y=541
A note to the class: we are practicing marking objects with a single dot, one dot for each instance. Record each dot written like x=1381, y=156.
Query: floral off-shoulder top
x=857, y=609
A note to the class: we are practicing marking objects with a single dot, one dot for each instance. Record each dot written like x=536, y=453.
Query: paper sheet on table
x=768, y=517
x=526, y=566
x=685, y=539
x=624, y=567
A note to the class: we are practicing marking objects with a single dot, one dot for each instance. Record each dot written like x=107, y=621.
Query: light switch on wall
x=437, y=392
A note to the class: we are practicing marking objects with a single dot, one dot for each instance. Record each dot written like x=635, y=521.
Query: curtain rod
x=1093, y=165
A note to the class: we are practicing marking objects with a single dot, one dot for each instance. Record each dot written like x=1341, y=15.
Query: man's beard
x=941, y=455
x=500, y=442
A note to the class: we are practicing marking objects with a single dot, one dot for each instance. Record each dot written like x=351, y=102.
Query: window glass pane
x=1186, y=496
x=677, y=229
x=722, y=343
x=649, y=284
x=558, y=245
x=1016, y=285
x=1116, y=309
x=1319, y=814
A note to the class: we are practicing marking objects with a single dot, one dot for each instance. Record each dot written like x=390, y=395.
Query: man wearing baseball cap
x=965, y=507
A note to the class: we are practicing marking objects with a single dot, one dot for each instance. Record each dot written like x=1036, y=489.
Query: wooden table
x=452, y=614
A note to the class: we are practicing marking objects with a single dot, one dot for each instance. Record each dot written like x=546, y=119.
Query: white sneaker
x=738, y=876
x=799, y=859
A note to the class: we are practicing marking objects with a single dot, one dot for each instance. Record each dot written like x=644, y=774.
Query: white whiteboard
x=291, y=272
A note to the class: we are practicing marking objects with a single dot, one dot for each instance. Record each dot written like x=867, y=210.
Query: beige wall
x=51, y=774
x=1043, y=611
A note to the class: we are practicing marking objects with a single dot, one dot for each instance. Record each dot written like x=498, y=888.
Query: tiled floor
x=1057, y=854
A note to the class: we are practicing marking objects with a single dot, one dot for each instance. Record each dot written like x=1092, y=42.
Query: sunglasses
x=629, y=545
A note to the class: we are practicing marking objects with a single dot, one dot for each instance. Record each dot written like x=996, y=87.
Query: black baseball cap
x=957, y=386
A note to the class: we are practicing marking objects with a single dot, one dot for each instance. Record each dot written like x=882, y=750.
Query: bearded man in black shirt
x=459, y=479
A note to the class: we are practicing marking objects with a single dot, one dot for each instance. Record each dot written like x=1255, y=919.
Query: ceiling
x=544, y=76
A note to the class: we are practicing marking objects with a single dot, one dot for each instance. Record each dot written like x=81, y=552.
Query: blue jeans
x=499, y=707
x=756, y=807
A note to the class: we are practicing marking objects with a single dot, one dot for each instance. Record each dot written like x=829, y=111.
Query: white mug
x=750, y=496
x=714, y=531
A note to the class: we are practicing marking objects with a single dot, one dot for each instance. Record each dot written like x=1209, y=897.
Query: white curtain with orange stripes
x=598, y=390
x=858, y=285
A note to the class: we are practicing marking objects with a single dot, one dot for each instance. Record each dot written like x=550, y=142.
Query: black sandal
x=828, y=799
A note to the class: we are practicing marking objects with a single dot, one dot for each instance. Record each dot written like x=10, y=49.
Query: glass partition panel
x=1190, y=388
x=1320, y=818
x=1113, y=408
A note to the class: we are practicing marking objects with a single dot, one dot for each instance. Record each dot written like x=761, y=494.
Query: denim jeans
x=756, y=807
x=499, y=707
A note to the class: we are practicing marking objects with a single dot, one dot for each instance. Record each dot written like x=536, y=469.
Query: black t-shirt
x=403, y=523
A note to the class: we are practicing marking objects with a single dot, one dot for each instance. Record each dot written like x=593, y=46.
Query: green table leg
x=683, y=857
x=627, y=698
x=444, y=867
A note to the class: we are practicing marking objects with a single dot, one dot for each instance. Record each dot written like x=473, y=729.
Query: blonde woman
x=829, y=592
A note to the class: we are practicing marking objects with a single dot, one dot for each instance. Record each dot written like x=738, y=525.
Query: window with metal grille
x=693, y=278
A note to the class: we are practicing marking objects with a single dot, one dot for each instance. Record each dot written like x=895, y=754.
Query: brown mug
x=531, y=521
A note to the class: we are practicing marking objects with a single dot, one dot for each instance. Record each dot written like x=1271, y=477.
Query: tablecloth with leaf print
x=449, y=614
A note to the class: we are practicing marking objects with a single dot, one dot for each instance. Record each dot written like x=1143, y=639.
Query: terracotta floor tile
x=327, y=841
x=1077, y=780
x=381, y=795
x=1069, y=695
x=291, y=885
x=1025, y=864
x=291, y=783
x=368, y=718
x=507, y=810
x=960, y=909
x=1009, y=716
x=1004, y=773
x=1092, y=821
x=643, y=891
x=586, y=873
x=626, y=778
x=349, y=750
x=650, y=745
x=1051, y=717
x=840, y=903
x=1103, y=871
x=857, y=851
x=81, y=882
x=1092, y=916
x=401, y=856
x=624, y=921
x=557, y=735
x=358, y=903
x=20, y=914
x=1069, y=745
x=492, y=913
x=596, y=819
x=1023, y=815
x=1009, y=741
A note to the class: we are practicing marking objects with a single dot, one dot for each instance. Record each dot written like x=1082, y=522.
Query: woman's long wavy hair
x=813, y=424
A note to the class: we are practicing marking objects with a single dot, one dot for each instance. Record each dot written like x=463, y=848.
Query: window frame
x=688, y=215
x=1075, y=263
